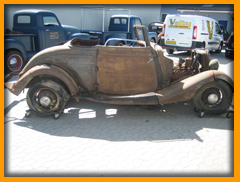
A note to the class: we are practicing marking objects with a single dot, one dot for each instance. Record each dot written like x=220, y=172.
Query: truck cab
x=45, y=25
x=126, y=23
x=36, y=30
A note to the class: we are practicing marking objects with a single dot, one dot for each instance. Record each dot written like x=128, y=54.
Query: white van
x=186, y=32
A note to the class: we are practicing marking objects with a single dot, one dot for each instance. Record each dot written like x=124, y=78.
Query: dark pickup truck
x=119, y=30
x=33, y=31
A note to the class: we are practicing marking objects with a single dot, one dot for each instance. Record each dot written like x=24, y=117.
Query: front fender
x=79, y=35
x=187, y=88
x=115, y=42
x=24, y=80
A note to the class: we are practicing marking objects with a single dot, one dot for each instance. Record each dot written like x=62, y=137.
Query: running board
x=140, y=99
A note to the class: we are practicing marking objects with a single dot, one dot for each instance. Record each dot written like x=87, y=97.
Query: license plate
x=171, y=42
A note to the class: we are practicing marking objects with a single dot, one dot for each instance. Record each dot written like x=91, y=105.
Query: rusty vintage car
x=137, y=74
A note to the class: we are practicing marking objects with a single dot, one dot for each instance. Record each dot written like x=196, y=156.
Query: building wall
x=71, y=14
x=93, y=19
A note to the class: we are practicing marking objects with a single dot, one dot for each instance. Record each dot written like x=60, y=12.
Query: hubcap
x=15, y=62
x=45, y=101
x=212, y=98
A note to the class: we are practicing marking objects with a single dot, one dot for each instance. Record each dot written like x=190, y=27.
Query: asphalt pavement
x=95, y=139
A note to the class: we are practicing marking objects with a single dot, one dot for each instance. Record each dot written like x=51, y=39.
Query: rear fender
x=39, y=70
x=187, y=88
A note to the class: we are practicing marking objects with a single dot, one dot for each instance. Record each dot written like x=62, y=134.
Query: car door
x=53, y=30
x=125, y=70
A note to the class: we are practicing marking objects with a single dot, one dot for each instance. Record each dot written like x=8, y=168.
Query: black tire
x=214, y=97
x=152, y=40
x=13, y=61
x=47, y=97
x=170, y=51
x=120, y=43
x=219, y=50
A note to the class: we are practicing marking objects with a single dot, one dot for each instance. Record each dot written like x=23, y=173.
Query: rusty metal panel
x=126, y=70
x=222, y=76
x=184, y=89
x=21, y=83
x=141, y=99
x=165, y=63
x=78, y=61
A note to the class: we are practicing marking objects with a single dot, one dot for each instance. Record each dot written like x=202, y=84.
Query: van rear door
x=179, y=30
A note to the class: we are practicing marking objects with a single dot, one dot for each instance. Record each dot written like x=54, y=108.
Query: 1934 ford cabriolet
x=137, y=74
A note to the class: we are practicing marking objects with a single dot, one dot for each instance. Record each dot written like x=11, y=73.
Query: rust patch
x=185, y=89
x=125, y=70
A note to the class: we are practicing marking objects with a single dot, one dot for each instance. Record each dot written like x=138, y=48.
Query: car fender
x=78, y=35
x=222, y=76
x=115, y=42
x=186, y=89
x=42, y=70
x=152, y=35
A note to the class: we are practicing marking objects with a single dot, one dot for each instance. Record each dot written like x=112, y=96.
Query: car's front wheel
x=214, y=97
x=47, y=97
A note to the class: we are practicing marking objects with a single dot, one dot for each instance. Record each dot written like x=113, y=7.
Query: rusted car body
x=127, y=75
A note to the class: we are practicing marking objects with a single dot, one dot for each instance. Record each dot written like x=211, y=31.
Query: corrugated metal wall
x=71, y=14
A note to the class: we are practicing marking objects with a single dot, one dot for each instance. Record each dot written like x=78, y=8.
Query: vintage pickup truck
x=127, y=75
x=33, y=31
x=120, y=27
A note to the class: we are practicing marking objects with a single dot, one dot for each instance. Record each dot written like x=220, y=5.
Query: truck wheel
x=219, y=49
x=13, y=61
x=152, y=40
x=214, y=97
x=170, y=51
x=120, y=43
x=47, y=97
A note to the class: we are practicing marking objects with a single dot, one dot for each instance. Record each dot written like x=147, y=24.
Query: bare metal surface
x=184, y=89
x=23, y=81
x=125, y=70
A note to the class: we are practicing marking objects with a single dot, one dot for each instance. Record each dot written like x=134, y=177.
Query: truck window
x=25, y=19
x=137, y=22
x=49, y=20
x=122, y=21
x=117, y=21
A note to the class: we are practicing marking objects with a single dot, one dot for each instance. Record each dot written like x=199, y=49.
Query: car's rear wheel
x=214, y=97
x=47, y=97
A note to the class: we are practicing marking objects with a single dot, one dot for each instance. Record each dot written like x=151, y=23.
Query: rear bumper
x=194, y=45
